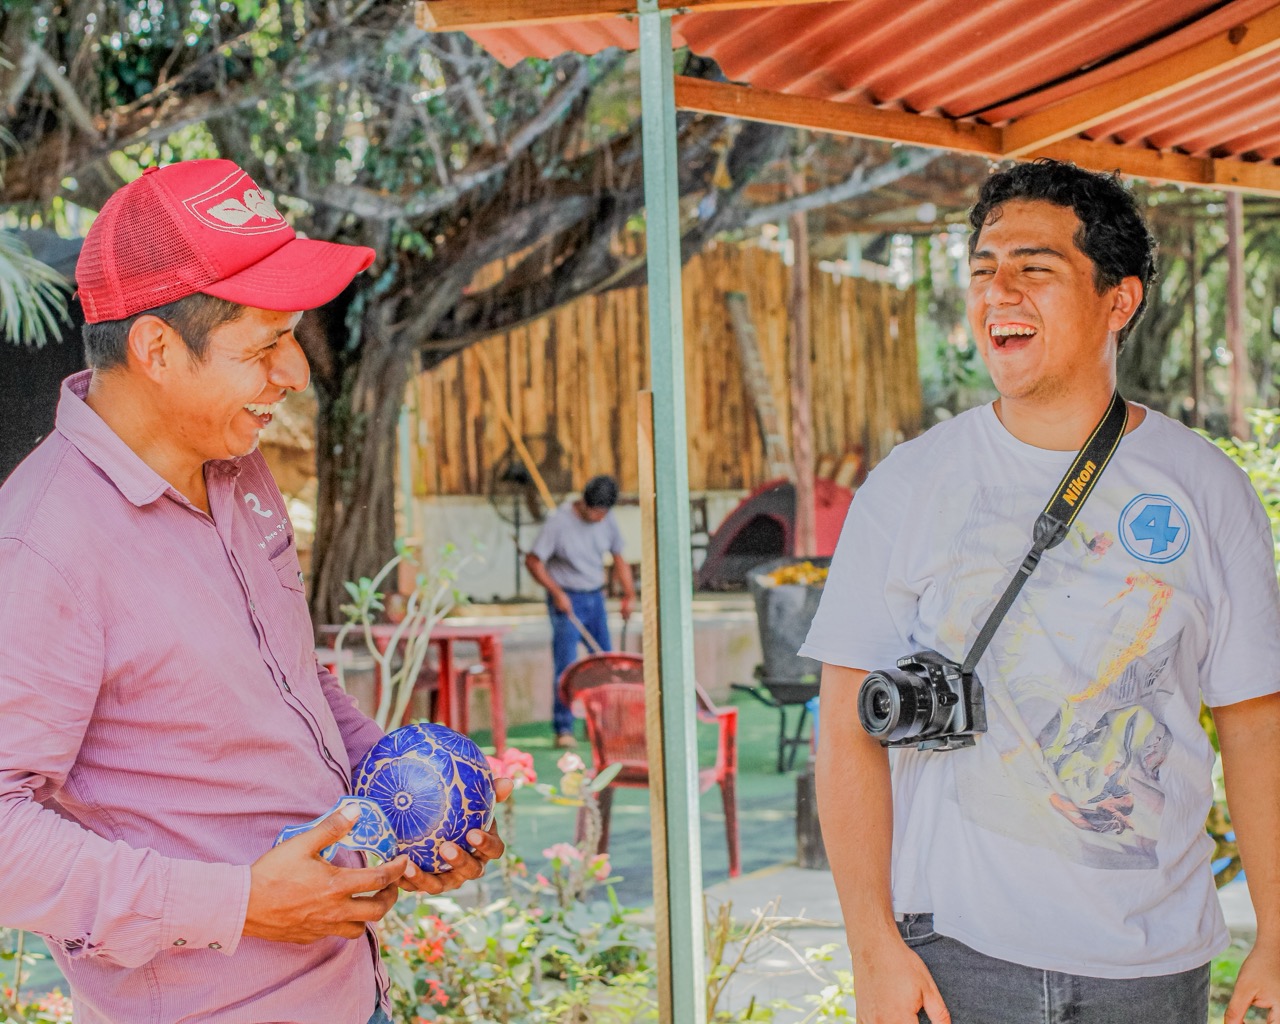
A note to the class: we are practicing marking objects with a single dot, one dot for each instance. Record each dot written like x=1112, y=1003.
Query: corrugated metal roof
x=992, y=61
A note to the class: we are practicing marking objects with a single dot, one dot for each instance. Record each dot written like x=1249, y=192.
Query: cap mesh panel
x=142, y=260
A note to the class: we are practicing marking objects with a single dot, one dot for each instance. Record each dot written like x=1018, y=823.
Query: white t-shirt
x=1071, y=837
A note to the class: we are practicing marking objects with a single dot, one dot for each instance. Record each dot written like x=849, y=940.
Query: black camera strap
x=1056, y=519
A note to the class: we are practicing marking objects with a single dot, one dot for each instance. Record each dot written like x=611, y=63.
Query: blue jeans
x=380, y=1017
x=979, y=989
x=588, y=606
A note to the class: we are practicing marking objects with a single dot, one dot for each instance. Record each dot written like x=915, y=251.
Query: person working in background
x=567, y=560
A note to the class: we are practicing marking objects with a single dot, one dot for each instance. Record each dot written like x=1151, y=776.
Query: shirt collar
x=102, y=446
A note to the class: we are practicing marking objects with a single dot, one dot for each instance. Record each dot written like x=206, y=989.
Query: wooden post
x=801, y=387
x=1197, y=356
x=1237, y=424
x=652, y=648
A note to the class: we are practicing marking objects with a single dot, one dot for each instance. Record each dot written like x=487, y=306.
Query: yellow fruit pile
x=806, y=574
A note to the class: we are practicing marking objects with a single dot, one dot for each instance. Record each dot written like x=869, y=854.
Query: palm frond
x=33, y=296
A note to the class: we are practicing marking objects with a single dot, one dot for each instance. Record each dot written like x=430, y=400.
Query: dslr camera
x=927, y=701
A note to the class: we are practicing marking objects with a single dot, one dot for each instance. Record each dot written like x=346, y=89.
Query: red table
x=451, y=708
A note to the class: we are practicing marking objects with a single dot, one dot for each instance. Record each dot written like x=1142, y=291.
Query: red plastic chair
x=609, y=690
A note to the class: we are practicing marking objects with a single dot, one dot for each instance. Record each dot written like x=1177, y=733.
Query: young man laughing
x=1057, y=869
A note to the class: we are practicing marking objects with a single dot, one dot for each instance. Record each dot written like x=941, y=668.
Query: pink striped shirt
x=161, y=717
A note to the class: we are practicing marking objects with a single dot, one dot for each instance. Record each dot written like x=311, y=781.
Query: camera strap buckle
x=1053, y=523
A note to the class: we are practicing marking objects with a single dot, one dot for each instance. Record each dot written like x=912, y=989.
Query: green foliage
x=33, y=296
x=1259, y=457
x=559, y=948
x=17, y=1007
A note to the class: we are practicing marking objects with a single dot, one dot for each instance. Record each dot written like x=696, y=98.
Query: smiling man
x=1057, y=869
x=162, y=714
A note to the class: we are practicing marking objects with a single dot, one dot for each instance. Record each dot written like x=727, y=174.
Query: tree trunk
x=356, y=463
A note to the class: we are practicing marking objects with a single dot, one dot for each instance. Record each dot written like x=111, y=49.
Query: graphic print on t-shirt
x=1079, y=759
x=1154, y=529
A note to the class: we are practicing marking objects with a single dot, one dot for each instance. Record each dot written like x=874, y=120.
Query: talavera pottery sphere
x=370, y=833
x=433, y=785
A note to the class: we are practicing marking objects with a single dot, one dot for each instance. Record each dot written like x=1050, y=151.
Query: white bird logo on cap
x=236, y=212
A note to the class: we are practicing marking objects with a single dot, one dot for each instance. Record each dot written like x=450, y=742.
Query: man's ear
x=1126, y=297
x=152, y=346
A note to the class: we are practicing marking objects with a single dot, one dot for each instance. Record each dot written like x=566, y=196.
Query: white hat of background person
x=204, y=226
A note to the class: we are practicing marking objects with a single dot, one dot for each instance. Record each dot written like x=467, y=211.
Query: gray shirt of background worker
x=573, y=549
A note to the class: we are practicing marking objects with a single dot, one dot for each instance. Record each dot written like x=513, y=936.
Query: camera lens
x=894, y=706
x=881, y=704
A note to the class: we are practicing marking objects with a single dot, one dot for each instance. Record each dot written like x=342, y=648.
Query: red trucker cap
x=204, y=226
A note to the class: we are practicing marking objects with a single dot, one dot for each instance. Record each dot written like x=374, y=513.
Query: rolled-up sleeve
x=88, y=894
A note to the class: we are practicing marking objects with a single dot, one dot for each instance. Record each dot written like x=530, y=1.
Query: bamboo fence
x=574, y=374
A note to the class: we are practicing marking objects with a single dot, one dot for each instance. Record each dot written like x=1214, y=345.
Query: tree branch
x=587, y=263
x=367, y=203
x=76, y=110
x=859, y=183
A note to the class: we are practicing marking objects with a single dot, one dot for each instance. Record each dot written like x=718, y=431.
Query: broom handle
x=590, y=641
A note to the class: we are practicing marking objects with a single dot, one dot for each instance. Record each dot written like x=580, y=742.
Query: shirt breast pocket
x=288, y=569
x=291, y=623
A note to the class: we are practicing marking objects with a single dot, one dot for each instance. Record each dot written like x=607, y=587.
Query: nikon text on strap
x=1052, y=525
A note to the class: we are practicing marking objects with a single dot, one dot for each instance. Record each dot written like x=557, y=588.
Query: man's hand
x=488, y=845
x=296, y=896
x=893, y=985
x=1258, y=984
x=626, y=605
x=561, y=600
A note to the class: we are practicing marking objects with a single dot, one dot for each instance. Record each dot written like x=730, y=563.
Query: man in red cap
x=164, y=715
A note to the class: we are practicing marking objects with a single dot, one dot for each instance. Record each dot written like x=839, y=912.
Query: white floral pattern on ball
x=433, y=785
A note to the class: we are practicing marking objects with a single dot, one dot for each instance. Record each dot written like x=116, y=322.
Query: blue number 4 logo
x=1152, y=524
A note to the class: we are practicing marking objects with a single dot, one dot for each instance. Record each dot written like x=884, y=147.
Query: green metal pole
x=671, y=465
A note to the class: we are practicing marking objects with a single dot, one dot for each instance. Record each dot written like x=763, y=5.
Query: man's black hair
x=600, y=492
x=1113, y=233
x=194, y=317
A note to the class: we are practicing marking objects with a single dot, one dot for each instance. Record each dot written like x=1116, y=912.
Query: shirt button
x=286, y=688
x=179, y=942
x=215, y=945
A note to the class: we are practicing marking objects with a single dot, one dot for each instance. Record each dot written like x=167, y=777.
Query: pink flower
x=55, y=1003
x=570, y=762
x=600, y=868
x=515, y=765
x=543, y=881
x=563, y=853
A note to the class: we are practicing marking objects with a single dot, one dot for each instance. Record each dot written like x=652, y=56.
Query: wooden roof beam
x=730, y=100
x=464, y=15
x=1156, y=165
x=1070, y=117
x=838, y=118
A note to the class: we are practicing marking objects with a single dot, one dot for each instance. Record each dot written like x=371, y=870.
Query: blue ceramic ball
x=433, y=785
x=370, y=833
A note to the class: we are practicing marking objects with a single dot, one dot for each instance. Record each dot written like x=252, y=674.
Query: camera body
x=927, y=701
